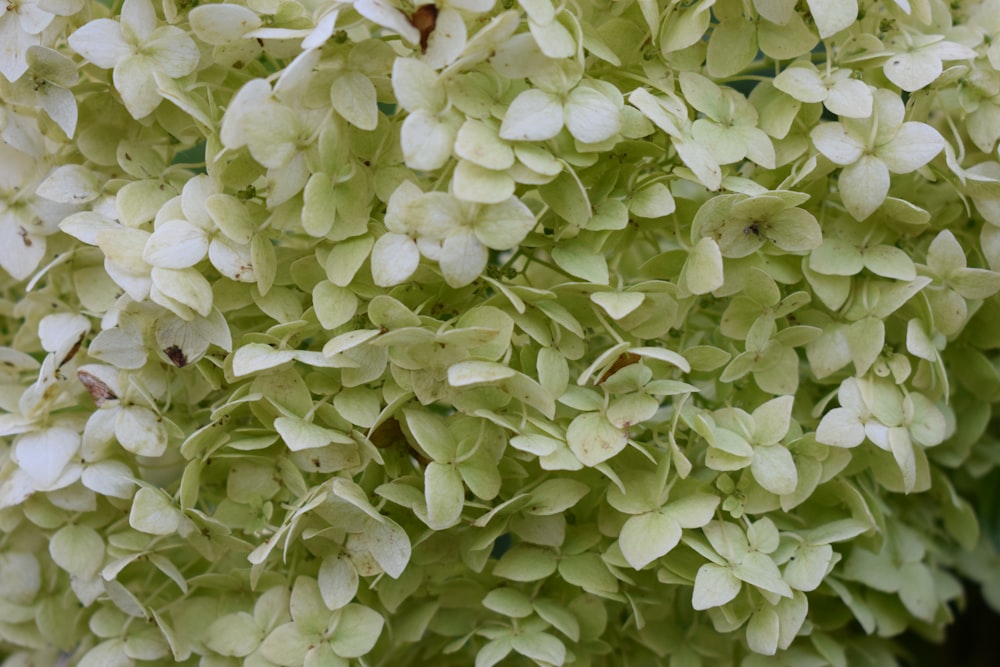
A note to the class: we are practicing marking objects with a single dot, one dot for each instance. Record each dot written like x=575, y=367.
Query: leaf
x=646, y=537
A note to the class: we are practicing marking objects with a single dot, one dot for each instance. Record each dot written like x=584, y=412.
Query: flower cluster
x=458, y=332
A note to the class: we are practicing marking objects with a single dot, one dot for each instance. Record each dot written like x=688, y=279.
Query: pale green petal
x=914, y=145
x=101, y=42
x=426, y=140
x=394, y=259
x=864, y=186
x=534, y=115
x=133, y=77
x=850, y=98
x=353, y=96
x=836, y=143
x=463, y=258
x=802, y=82
x=832, y=16
x=504, y=225
x=173, y=51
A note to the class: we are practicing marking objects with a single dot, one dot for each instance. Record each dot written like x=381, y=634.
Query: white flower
x=870, y=148
x=139, y=52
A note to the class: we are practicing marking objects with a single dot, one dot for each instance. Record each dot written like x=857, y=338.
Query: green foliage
x=490, y=332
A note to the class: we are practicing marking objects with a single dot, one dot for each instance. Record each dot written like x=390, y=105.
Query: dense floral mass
x=476, y=332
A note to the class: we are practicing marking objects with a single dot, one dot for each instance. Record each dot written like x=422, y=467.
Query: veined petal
x=133, y=78
x=426, y=140
x=836, y=143
x=534, y=115
x=850, y=98
x=463, y=258
x=863, y=186
x=139, y=17
x=176, y=244
x=233, y=260
x=913, y=70
x=101, y=42
x=174, y=52
x=914, y=145
x=394, y=259
x=590, y=116
x=502, y=226
x=802, y=83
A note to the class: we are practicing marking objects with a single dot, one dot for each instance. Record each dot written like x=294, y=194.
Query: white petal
x=914, y=70
x=463, y=258
x=176, y=244
x=233, y=260
x=832, y=16
x=20, y=251
x=174, y=52
x=534, y=115
x=60, y=104
x=914, y=145
x=394, y=259
x=45, y=454
x=863, y=186
x=101, y=42
x=802, y=83
x=139, y=17
x=850, y=98
x=836, y=143
x=185, y=286
x=221, y=24
x=590, y=116
x=133, y=78
x=426, y=141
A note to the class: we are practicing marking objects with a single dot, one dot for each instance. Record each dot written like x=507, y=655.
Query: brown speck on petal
x=98, y=391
